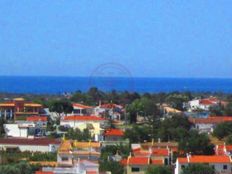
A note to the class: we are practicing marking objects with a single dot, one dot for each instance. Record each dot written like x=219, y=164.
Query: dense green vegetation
x=76, y=134
x=158, y=170
x=18, y=168
x=198, y=169
x=223, y=130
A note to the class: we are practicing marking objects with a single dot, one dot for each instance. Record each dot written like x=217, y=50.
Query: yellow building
x=96, y=125
x=71, y=151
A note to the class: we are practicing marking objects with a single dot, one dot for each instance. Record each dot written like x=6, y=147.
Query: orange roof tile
x=157, y=162
x=110, y=105
x=205, y=159
x=138, y=161
x=32, y=105
x=81, y=106
x=41, y=172
x=7, y=104
x=211, y=120
x=114, y=132
x=37, y=118
x=83, y=118
x=160, y=152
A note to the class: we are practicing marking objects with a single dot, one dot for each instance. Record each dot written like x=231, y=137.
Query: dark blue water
x=58, y=85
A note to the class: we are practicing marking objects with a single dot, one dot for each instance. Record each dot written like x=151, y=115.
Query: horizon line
x=149, y=77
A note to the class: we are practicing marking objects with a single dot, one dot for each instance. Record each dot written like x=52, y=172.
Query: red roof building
x=19, y=107
x=37, y=118
x=83, y=118
x=41, y=172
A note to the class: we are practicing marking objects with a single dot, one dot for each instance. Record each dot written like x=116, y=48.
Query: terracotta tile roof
x=81, y=106
x=182, y=160
x=160, y=152
x=141, y=153
x=37, y=118
x=44, y=163
x=86, y=144
x=157, y=162
x=65, y=146
x=27, y=141
x=114, y=132
x=138, y=161
x=91, y=172
x=211, y=120
x=110, y=106
x=7, y=104
x=83, y=118
x=41, y=172
x=32, y=105
x=205, y=159
x=207, y=102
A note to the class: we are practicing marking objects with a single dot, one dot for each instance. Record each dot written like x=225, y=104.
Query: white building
x=202, y=104
x=34, y=126
x=96, y=125
x=221, y=164
x=207, y=125
x=28, y=144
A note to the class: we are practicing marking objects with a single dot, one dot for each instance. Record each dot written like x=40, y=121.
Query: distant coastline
x=59, y=85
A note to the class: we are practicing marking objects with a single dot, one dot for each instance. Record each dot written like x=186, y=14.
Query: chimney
x=128, y=159
x=224, y=147
x=188, y=156
x=216, y=149
x=150, y=150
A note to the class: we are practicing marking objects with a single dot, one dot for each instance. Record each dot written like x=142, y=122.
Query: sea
x=61, y=85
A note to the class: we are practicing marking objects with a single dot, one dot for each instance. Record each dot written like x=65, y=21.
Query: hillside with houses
x=117, y=132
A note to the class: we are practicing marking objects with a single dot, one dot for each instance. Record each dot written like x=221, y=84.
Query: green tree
x=158, y=170
x=196, y=143
x=175, y=128
x=112, y=166
x=77, y=134
x=61, y=106
x=223, y=130
x=138, y=134
x=2, y=122
x=19, y=168
x=228, y=109
x=229, y=139
x=198, y=169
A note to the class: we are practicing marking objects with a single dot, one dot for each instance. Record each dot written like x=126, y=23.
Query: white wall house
x=207, y=125
x=221, y=164
x=96, y=125
x=27, y=144
x=17, y=130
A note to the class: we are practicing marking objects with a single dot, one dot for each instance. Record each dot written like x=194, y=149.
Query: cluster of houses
x=26, y=131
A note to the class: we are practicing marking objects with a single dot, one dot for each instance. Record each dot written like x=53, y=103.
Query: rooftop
x=113, y=132
x=83, y=118
x=36, y=118
x=211, y=120
x=28, y=141
x=78, y=105
x=205, y=159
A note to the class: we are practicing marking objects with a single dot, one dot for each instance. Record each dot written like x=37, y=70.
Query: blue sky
x=150, y=38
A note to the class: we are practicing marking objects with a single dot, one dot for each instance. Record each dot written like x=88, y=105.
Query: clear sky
x=151, y=38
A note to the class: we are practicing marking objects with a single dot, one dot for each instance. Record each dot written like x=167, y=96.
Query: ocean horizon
x=62, y=84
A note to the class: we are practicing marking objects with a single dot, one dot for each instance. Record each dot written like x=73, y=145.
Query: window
x=135, y=169
x=64, y=158
x=224, y=167
x=182, y=166
x=213, y=167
